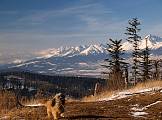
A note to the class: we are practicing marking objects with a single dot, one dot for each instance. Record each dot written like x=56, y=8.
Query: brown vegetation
x=8, y=101
x=120, y=109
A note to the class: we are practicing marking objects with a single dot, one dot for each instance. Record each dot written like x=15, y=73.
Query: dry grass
x=92, y=98
x=146, y=85
x=8, y=107
x=89, y=108
x=7, y=101
x=27, y=113
x=138, y=87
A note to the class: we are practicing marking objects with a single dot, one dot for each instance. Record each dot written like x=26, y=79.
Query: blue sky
x=31, y=25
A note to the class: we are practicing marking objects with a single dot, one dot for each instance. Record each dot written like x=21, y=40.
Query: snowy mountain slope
x=73, y=51
x=153, y=42
x=81, y=60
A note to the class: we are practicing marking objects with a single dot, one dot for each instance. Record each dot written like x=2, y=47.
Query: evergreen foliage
x=146, y=64
x=48, y=84
x=115, y=64
x=156, y=65
x=134, y=38
x=115, y=52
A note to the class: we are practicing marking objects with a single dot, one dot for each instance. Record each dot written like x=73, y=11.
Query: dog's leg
x=55, y=115
x=49, y=113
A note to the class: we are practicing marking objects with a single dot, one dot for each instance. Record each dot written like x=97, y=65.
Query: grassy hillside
x=142, y=102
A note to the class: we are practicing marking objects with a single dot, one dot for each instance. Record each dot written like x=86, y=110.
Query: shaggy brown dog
x=55, y=107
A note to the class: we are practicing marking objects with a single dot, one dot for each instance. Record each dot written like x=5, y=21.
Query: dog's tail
x=34, y=105
x=40, y=103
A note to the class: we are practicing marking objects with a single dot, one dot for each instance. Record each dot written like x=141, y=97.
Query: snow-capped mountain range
x=73, y=51
x=153, y=42
x=81, y=60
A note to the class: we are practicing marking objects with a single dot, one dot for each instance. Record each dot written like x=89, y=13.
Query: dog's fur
x=55, y=107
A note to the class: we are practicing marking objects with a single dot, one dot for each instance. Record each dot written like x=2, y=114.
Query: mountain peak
x=93, y=49
x=81, y=60
x=148, y=36
x=153, y=42
x=154, y=38
x=74, y=50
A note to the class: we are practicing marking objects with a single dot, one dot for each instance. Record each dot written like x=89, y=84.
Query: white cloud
x=104, y=26
x=43, y=15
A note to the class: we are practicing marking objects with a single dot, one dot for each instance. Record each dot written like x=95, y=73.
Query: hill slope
x=144, y=104
x=81, y=60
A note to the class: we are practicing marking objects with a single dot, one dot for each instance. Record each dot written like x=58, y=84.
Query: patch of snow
x=71, y=51
x=64, y=69
x=17, y=61
x=48, y=56
x=26, y=64
x=93, y=49
x=83, y=64
x=148, y=89
x=127, y=93
x=127, y=46
x=145, y=90
x=119, y=95
x=152, y=104
x=138, y=114
x=51, y=69
x=136, y=107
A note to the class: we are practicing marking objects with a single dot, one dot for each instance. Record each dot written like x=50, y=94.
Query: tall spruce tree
x=157, y=65
x=146, y=64
x=115, y=65
x=134, y=38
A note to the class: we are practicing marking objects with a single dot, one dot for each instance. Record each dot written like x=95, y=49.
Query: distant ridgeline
x=47, y=84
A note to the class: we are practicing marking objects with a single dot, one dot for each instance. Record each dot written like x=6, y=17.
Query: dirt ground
x=127, y=108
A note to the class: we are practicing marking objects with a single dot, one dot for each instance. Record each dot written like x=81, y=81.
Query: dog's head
x=58, y=98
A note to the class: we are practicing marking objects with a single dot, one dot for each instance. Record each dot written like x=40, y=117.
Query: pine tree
x=134, y=39
x=157, y=65
x=115, y=64
x=146, y=64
